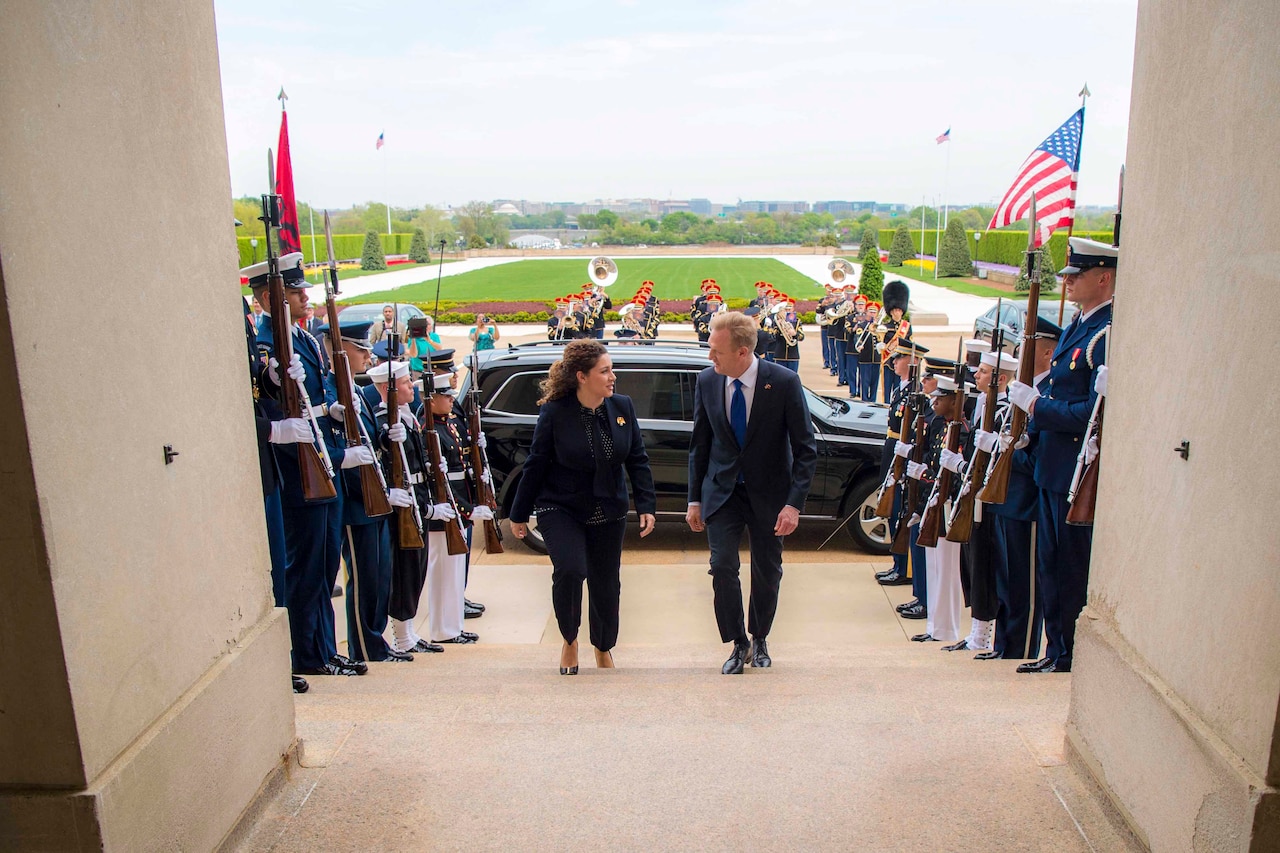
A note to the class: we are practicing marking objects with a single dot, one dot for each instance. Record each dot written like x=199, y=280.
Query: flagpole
x=386, y=190
x=946, y=207
x=1071, y=227
x=312, y=214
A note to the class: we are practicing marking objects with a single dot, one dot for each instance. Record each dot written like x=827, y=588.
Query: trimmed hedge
x=999, y=247
x=346, y=247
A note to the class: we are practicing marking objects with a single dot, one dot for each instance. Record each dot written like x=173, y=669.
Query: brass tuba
x=602, y=271
x=841, y=270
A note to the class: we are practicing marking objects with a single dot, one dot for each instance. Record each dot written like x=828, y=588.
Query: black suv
x=659, y=378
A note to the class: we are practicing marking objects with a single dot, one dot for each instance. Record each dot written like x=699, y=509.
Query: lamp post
x=977, y=237
x=253, y=243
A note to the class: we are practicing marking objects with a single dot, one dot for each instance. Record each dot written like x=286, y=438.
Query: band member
x=699, y=312
x=711, y=307
x=1060, y=418
x=896, y=327
x=631, y=328
x=598, y=303
x=790, y=334
x=824, y=323
x=854, y=324
x=840, y=333
x=557, y=330
x=867, y=357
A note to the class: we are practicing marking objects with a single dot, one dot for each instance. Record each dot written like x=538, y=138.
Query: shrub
x=871, y=285
x=829, y=239
x=371, y=257
x=418, y=252
x=955, y=259
x=901, y=250
x=1048, y=281
x=868, y=247
x=475, y=241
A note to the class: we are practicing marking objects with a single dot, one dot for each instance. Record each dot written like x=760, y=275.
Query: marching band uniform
x=896, y=297
x=853, y=323
x=785, y=354
x=828, y=300
x=839, y=336
x=868, y=358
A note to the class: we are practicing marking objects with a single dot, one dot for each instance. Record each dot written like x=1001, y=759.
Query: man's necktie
x=738, y=413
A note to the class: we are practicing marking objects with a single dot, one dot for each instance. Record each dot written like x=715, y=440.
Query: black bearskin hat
x=896, y=295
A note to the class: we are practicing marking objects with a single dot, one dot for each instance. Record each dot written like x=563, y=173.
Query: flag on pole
x=1050, y=172
x=381, y=141
x=945, y=137
x=290, y=241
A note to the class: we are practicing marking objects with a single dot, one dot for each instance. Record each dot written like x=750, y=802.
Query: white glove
x=880, y=346
x=397, y=433
x=356, y=456
x=444, y=469
x=1006, y=440
x=337, y=411
x=916, y=470
x=903, y=449
x=355, y=398
x=441, y=512
x=951, y=461
x=1100, y=381
x=1023, y=396
x=914, y=520
x=1091, y=450
x=487, y=478
x=400, y=498
x=295, y=371
x=481, y=513
x=291, y=431
x=985, y=441
x=482, y=442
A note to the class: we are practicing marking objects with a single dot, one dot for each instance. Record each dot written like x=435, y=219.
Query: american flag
x=381, y=141
x=945, y=137
x=1050, y=172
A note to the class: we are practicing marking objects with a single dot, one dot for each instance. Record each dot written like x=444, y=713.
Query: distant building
x=535, y=241
x=835, y=208
x=673, y=207
x=700, y=206
x=507, y=209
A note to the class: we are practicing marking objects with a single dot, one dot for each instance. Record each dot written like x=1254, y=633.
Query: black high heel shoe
x=568, y=670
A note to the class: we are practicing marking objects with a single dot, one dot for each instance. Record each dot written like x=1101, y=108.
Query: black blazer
x=779, y=456
x=562, y=472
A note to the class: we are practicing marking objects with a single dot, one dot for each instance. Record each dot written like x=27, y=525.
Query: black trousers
x=408, y=577
x=978, y=568
x=367, y=550
x=724, y=535
x=584, y=552
x=1062, y=570
x=1020, y=623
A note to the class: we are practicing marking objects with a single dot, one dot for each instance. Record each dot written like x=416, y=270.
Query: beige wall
x=1177, y=680
x=136, y=580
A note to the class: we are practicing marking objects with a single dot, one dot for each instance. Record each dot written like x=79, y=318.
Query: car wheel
x=534, y=540
x=870, y=533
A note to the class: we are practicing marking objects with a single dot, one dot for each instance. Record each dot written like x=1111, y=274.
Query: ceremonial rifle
x=962, y=516
x=373, y=488
x=898, y=468
x=902, y=539
x=454, y=540
x=408, y=518
x=932, y=523
x=314, y=467
x=480, y=462
x=997, y=488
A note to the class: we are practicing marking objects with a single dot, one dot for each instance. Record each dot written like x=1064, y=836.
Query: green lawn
x=673, y=278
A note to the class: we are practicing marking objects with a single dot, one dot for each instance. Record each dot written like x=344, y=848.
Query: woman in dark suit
x=585, y=436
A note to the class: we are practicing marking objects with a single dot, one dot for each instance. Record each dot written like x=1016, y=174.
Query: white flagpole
x=386, y=188
x=312, y=213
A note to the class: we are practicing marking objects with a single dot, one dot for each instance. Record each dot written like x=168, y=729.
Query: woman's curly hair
x=562, y=379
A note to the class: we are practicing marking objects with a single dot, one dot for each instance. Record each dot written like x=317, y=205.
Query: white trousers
x=946, y=598
x=446, y=580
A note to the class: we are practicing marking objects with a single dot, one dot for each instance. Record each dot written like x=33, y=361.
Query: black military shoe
x=957, y=647
x=907, y=605
x=359, y=667
x=992, y=655
x=760, y=653
x=471, y=612
x=1036, y=666
x=325, y=669
x=894, y=579
x=300, y=684
x=427, y=648
x=741, y=654
x=472, y=605
x=462, y=639
x=923, y=638
x=916, y=611
x=394, y=656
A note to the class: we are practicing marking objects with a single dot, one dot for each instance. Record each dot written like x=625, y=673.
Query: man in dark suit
x=751, y=460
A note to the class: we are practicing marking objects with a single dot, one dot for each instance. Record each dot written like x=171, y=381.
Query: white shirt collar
x=1039, y=378
x=748, y=377
x=1094, y=310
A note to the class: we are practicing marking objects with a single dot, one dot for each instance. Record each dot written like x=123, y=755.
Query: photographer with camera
x=483, y=334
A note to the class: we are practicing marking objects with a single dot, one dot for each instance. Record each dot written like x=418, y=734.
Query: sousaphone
x=841, y=271
x=602, y=271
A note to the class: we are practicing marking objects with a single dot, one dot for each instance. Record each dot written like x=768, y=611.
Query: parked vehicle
x=659, y=378
x=1014, y=316
x=372, y=311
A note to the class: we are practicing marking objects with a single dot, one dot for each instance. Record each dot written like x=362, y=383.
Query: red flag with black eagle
x=290, y=241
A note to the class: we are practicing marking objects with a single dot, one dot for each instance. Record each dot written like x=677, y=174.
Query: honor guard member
x=1060, y=417
x=1019, y=621
x=461, y=423
x=853, y=322
x=312, y=529
x=901, y=361
x=366, y=541
x=446, y=573
x=824, y=324
x=399, y=434
x=790, y=334
x=897, y=297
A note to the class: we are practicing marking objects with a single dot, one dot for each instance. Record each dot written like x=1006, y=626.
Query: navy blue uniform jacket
x=779, y=456
x=1060, y=418
x=562, y=471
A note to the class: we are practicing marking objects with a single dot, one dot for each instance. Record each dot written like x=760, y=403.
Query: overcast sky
x=572, y=101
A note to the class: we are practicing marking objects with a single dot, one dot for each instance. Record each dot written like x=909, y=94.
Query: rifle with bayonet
x=480, y=462
x=408, y=518
x=931, y=524
x=897, y=469
x=962, y=515
x=455, y=542
x=996, y=489
x=902, y=539
x=373, y=488
x=315, y=469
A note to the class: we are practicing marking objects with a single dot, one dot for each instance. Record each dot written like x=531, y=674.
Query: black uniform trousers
x=309, y=551
x=584, y=552
x=367, y=550
x=851, y=372
x=1062, y=557
x=724, y=535
x=275, y=545
x=408, y=577
x=979, y=567
x=1020, y=620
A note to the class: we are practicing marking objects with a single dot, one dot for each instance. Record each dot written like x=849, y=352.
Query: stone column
x=144, y=691
x=1177, y=666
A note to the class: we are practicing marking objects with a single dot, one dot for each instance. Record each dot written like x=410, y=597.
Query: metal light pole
x=253, y=243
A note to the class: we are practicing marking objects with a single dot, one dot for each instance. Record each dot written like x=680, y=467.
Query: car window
x=519, y=395
x=656, y=394
x=1011, y=317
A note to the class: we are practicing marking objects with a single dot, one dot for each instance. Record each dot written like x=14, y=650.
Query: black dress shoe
x=889, y=571
x=956, y=647
x=992, y=655
x=1036, y=666
x=472, y=605
x=923, y=638
x=394, y=656
x=741, y=654
x=760, y=653
x=427, y=648
x=475, y=638
x=471, y=613
x=324, y=669
x=300, y=684
x=894, y=579
x=359, y=666
x=916, y=611
x=907, y=605
x=460, y=640
x=1058, y=665
x=336, y=592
